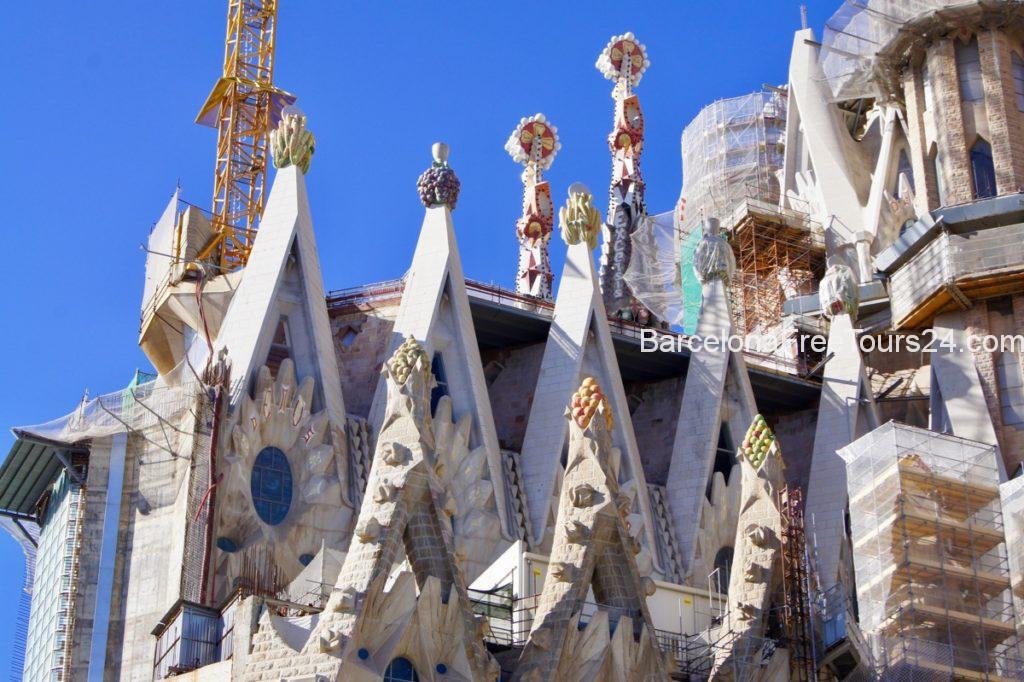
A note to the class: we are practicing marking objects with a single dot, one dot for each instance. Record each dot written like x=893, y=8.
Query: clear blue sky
x=98, y=128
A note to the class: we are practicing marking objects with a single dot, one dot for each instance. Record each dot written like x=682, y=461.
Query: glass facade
x=50, y=621
x=271, y=485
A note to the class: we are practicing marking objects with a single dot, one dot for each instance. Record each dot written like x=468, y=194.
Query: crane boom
x=242, y=106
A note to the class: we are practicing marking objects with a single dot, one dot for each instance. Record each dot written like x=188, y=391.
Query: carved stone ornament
x=585, y=404
x=578, y=220
x=438, y=185
x=583, y=495
x=291, y=143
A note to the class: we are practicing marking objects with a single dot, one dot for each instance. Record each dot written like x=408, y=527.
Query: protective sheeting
x=653, y=273
x=732, y=151
x=151, y=407
x=159, y=249
x=856, y=33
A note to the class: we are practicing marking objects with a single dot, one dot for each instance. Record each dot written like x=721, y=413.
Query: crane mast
x=242, y=106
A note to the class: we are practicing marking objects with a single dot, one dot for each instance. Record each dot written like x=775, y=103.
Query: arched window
x=723, y=564
x=968, y=68
x=903, y=167
x=271, y=485
x=1018, y=79
x=400, y=670
x=983, y=170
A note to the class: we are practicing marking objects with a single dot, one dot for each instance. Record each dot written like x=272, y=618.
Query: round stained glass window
x=271, y=482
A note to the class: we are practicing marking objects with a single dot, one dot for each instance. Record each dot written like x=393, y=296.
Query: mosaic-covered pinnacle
x=624, y=59
x=585, y=404
x=438, y=185
x=534, y=141
x=578, y=220
x=291, y=143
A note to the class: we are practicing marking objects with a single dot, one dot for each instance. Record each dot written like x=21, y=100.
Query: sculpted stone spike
x=564, y=572
x=757, y=554
x=404, y=515
x=346, y=600
x=592, y=551
x=291, y=143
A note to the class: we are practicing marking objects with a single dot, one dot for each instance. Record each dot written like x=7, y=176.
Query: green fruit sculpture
x=758, y=443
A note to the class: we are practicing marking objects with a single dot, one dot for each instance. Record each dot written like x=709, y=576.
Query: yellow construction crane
x=242, y=106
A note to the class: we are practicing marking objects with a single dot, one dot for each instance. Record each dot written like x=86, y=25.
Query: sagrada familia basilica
x=432, y=478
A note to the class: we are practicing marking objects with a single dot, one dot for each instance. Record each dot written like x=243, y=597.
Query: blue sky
x=98, y=130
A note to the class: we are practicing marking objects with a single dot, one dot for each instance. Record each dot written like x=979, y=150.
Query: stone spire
x=623, y=61
x=756, y=565
x=534, y=143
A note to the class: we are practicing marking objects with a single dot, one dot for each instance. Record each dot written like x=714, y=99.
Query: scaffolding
x=780, y=254
x=796, y=587
x=731, y=146
x=933, y=580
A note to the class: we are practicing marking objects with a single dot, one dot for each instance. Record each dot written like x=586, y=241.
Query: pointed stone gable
x=715, y=378
x=282, y=278
x=592, y=550
x=579, y=343
x=435, y=311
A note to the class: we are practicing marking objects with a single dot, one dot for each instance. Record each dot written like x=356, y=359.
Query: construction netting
x=653, y=273
x=858, y=32
x=933, y=579
x=142, y=407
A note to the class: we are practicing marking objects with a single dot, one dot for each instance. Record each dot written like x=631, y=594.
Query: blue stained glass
x=401, y=670
x=271, y=485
